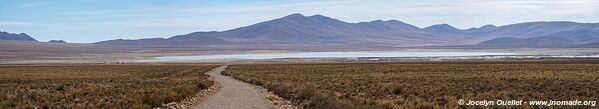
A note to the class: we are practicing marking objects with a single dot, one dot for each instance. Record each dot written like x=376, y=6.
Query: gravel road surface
x=233, y=94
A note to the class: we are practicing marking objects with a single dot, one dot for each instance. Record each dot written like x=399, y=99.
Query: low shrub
x=99, y=86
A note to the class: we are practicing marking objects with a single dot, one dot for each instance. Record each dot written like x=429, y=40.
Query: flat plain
x=424, y=84
x=99, y=86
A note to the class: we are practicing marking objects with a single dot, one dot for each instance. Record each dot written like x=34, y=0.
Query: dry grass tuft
x=99, y=86
x=422, y=85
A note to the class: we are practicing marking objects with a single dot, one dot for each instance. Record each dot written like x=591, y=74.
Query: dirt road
x=233, y=94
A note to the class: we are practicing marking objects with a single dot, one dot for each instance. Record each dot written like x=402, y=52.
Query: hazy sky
x=97, y=20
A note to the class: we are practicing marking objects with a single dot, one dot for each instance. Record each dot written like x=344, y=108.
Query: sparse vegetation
x=423, y=84
x=99, y=86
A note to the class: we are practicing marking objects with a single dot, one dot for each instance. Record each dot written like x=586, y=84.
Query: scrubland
x=99, y=86
x=423, y=84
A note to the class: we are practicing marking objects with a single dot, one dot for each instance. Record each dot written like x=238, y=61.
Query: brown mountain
x=300, y=29
x=531, y=30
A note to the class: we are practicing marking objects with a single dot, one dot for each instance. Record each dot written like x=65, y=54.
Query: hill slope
x=300, y=29
x=583, y=36
x=531, y=30
x=17, y=37
x=443, y=29
x=297, y=29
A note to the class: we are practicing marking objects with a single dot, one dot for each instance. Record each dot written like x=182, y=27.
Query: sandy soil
x=234, y=94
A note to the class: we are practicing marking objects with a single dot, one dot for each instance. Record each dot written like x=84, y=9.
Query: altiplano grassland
x=423, y=84
x=99, y=86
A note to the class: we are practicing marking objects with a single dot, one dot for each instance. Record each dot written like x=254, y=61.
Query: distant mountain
x=529, y=30
x=13, y=36
x=446, y=29
x=57, y=41
x=297, y=29
x=300, y=29
x=564, y=38
x=443, y=29
x=481, y=29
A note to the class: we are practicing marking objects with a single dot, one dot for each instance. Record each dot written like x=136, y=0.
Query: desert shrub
x=99, y=86
x=423, y=84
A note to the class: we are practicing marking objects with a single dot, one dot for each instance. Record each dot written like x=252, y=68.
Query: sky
x=88, y=21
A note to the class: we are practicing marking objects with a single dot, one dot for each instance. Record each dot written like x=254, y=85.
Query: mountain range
x=322, y=30
x=300, y=29
x=297, y=29
x=542, y=34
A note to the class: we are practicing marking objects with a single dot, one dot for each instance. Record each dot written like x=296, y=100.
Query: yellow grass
x=99, y=86
x=423, y=85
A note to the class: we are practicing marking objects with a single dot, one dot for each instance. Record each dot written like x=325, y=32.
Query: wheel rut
x=233, y=94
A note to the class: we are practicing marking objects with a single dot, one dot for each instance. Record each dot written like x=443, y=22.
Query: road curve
x=233, y=94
